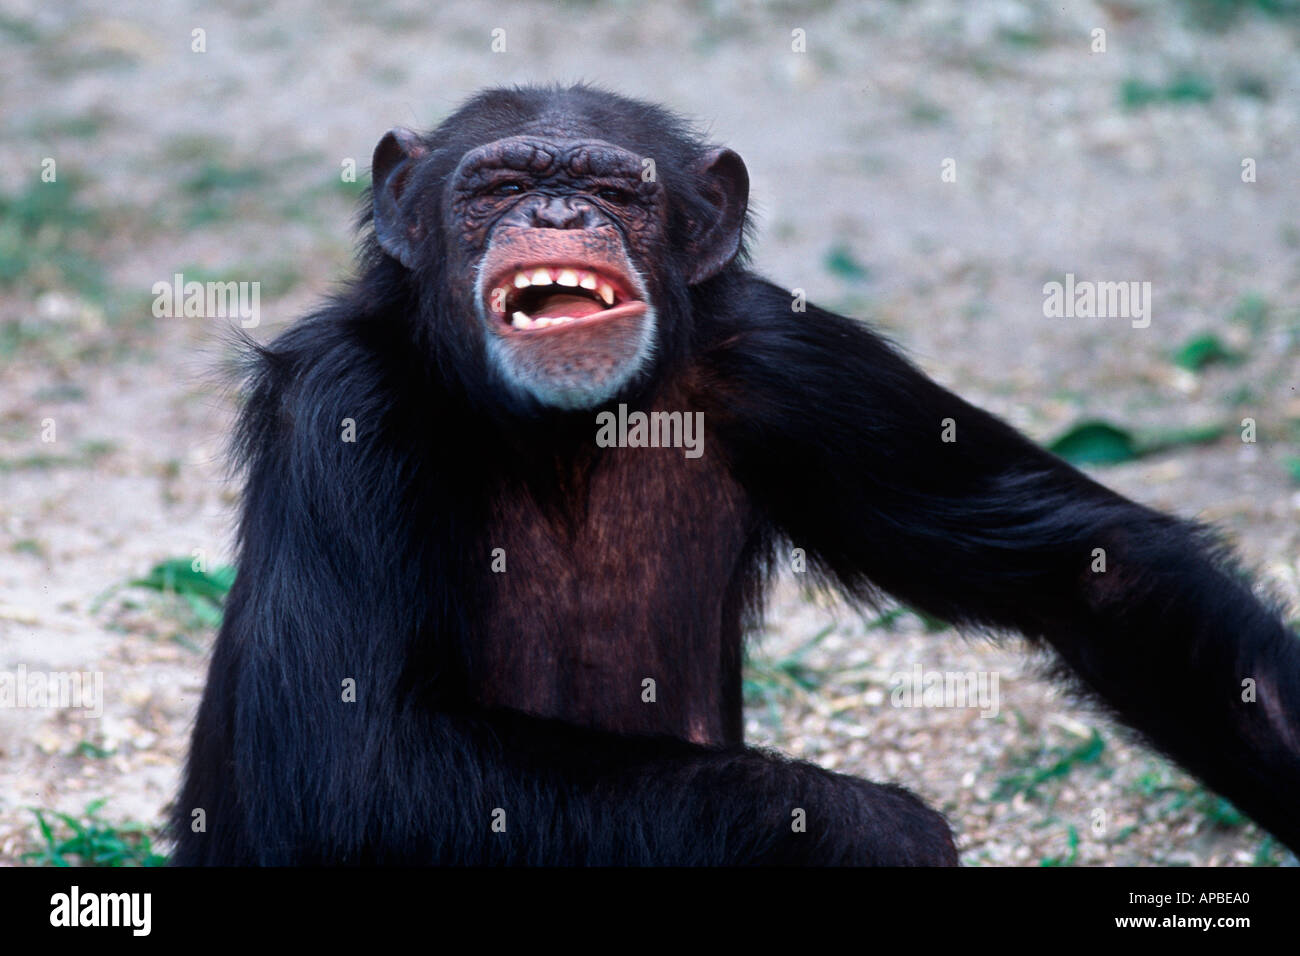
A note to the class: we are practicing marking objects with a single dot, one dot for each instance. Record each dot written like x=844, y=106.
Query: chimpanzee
x=513, y=496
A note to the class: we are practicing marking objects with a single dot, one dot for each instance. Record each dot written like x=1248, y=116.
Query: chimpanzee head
x=552, y=237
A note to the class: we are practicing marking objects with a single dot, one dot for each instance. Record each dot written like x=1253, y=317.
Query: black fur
x=371, y=561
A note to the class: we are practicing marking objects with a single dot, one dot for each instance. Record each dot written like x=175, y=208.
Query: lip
x=627, y=310
x=629, y=301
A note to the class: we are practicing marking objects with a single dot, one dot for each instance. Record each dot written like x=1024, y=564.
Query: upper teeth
x=569, y=277
x=566, y=277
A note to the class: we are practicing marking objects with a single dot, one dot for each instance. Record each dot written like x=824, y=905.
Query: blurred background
x=1131, y=140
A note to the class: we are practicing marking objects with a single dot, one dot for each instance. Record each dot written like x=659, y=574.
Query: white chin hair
x=526, y=371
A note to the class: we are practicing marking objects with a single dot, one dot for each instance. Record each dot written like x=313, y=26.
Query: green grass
x=1252, y=311
x=93, y=751
x=1217, y=14
x=1072, y=850
x=48, y=243
x=924, y=112
x=214, y=177
x=1255, y=87
x=18, y=29
x=840, y=261
x=218, y=189
x=193, y=600
x=1041, y=765
x=72, y=125
x=1271, y=853
x=1202, y=350
x=90, y=840
x=39, y=231
x=86, y=455
x=1183, y=87
x=769, y=679
x=1173, y=797
x=1096, y=442
x=767, y=682
x=1242, y=394
x=276, y=279
x=60, y=392
x=1029, y=39
x=203, y=592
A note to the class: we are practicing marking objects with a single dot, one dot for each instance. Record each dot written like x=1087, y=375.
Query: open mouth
x=547, y=297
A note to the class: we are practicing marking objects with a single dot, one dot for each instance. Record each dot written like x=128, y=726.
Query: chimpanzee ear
x=398, y=230
x=724, y=181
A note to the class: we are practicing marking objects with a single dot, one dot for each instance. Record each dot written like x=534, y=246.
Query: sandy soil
x=226, y=163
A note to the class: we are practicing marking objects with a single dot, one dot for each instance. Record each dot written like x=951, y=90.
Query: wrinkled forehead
x=553, y=124
x=550, y=155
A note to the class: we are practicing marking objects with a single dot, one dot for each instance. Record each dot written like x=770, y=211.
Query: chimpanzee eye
x=613, y=194
x=508, y=189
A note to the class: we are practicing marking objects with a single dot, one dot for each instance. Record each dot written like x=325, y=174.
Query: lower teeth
x=521, y=321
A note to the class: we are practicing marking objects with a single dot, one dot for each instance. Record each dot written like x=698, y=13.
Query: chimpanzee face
x=559, y=235
x=560, y=252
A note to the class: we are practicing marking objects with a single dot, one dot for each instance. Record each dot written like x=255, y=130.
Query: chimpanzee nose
x=561, y=212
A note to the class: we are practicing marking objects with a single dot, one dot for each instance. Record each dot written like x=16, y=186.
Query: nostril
x=560, y=213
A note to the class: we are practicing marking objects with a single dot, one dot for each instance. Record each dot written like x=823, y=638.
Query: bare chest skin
x=603, y=619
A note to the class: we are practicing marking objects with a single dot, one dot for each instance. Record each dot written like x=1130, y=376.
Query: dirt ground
x=1125, y=164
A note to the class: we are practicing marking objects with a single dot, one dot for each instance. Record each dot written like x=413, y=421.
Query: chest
x=619, y=609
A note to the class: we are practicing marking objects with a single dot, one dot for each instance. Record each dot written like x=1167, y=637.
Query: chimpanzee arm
x=395, y=781
x=842, y=443
x=505, y=788
x=574, y=796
